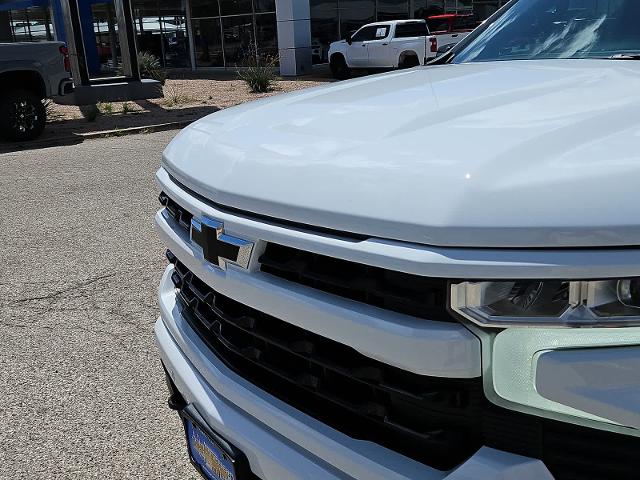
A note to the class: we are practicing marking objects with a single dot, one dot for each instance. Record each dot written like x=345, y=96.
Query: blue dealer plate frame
x=210, y=454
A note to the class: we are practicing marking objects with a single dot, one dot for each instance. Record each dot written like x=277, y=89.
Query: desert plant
x=150, y=67
x=173, y=97
x=259, y=78
x=258, y=73
x=105, y=108
x=126, y=108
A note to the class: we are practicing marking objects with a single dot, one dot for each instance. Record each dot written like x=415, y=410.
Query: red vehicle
x=450, y=28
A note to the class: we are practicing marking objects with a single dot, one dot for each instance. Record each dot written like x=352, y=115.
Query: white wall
x=294, y=36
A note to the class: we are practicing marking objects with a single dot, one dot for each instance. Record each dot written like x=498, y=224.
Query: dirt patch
x=183, y=99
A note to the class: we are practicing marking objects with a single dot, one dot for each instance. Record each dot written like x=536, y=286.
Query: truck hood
x=504, y=154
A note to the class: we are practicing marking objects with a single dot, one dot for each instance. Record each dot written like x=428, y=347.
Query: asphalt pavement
x=81, y=388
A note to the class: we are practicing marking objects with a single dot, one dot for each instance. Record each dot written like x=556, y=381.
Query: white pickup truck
x=382, y=45
x=431, y=274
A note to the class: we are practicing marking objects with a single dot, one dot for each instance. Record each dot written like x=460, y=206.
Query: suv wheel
x=339, y=67
x=22, y=115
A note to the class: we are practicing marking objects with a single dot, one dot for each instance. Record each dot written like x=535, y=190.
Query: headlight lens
x=628, y=291
x=549, y=302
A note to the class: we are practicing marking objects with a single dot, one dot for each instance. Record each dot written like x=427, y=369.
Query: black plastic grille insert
x=415, y=295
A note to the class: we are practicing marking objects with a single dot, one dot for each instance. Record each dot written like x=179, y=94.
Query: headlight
x=602, y=303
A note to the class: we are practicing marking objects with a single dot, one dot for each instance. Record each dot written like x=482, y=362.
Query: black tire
x=409, y=61
x=22, y=115
x=339, y=67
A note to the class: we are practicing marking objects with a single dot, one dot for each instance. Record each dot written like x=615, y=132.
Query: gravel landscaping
x=184, y=100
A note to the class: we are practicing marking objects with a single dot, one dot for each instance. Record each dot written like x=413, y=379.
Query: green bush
x=105, y=108
x=150, y=67
x=259, y=78
x=258, y=73
x=126, y=108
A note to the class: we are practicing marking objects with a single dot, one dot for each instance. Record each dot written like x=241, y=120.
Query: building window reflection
x=26, y=25
x=161, y=27
x=240, y=31
x=392, y=10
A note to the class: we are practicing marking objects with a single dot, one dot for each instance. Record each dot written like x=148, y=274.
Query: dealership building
x=196, y=34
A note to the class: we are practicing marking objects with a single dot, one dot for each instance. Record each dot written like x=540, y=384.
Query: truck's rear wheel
x=22, y=115
x=339, y=67
x=408, y=61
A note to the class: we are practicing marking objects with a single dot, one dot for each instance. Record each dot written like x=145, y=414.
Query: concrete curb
x=120, y=132
x=81, y=137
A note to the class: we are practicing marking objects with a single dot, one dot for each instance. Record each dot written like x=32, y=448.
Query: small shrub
x=259, y=78
x=173, y=97
x=105, y=108
x=150, y=67
x=126, y=108
x=258, y=73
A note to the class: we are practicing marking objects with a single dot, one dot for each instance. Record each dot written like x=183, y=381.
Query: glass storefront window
x=26, y=25
x=393, y=9
x=104, y=60
x=486, y=8
x=235, y=7
x=204, y=8
x=324, y=27
x=246, y=29
x=161, y=27
x=450, y=6
x=354, y=14
x=239, y=44
x=434, y=7
x=176, y=42
x=208, y=42
x=267, y=37
x=264, y=6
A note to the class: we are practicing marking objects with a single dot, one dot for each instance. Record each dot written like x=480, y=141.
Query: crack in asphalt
x=57, y=293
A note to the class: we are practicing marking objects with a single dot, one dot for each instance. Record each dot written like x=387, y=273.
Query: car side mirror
x=349, y=40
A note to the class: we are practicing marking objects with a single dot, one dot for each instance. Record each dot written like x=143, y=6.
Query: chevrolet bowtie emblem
x=207, y=236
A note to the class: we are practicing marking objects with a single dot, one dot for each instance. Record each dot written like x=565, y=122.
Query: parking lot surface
x=83, y=394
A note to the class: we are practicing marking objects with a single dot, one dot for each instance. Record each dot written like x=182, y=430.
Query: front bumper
x=282, y=443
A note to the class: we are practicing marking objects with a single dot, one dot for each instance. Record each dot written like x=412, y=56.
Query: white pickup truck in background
x=394, y=44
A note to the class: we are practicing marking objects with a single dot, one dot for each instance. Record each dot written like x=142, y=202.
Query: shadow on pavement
x=71, y=132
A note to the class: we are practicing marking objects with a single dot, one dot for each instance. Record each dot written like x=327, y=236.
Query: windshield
x=543, y=29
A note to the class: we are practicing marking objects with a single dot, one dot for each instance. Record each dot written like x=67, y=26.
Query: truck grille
x=415, y=295
x=175, y=211
x=437, y=421
x=430, y=419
